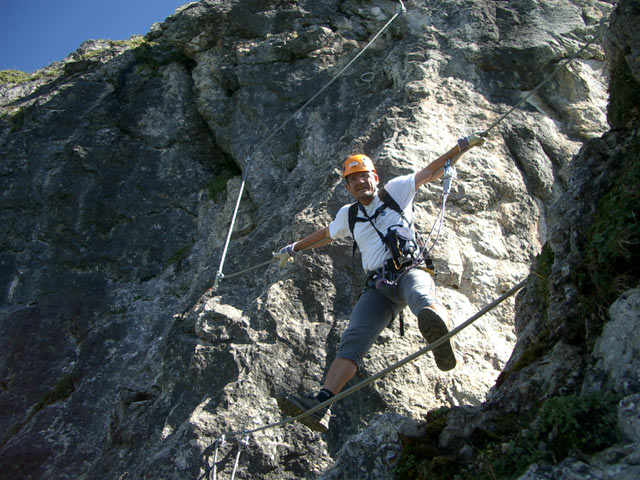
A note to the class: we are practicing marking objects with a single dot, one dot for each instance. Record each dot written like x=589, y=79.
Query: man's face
x=362, y=186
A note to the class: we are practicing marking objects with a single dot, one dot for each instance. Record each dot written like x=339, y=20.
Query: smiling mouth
x=365, y=192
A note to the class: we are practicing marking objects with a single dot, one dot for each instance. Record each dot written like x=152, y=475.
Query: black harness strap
x=387, y=201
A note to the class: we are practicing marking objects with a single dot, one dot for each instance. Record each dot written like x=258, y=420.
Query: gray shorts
x=376, y=307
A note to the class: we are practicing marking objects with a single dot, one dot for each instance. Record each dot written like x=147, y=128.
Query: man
x=393, y=282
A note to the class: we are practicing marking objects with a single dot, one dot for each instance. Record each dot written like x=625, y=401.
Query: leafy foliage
x=421, y=457
x=562, y=426
x=63, y=389
x=16, y=120
x=624, y=96
x=179, y=254
x=612, y=245
x=542, y=271
x=577, y=424
x=225, y=168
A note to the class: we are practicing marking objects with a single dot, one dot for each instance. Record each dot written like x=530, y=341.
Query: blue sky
x=34, y=33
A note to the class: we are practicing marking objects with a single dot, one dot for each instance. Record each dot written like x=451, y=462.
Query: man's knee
x=351, y=352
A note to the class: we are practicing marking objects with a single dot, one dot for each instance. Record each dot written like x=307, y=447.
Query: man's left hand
x=285, y=255
x=473, y=140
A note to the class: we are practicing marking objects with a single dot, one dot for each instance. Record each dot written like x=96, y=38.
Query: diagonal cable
x=219, y=274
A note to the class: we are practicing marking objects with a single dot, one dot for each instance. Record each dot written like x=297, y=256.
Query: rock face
x=576, y=323
x=120, y=170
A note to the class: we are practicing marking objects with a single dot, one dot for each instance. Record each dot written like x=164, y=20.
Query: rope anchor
x=243, y=443
x=219, y=441
x=222, y=441
x=367, y=77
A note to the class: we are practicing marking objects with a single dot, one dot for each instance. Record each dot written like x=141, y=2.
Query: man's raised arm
x=435, y=169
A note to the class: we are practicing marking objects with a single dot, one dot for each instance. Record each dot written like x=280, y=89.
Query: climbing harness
x=219, y=275
x=394, y=241
x=402, y=245
x=403, y=242
x=447, y=179
x=372, y=378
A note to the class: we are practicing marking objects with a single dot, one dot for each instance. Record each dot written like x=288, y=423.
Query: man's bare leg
x=340, y=372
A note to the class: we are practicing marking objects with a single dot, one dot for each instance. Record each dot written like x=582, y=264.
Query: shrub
x=13, y=76
x=225, y=168
x=624, y=96
x=611, y=246
x=560, y=427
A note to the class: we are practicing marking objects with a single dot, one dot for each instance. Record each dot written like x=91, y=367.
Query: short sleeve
x=402, y=189
x=340, y=226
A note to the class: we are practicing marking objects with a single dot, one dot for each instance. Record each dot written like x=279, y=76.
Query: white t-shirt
x=374, y=253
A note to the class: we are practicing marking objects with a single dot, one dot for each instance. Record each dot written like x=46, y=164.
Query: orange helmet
x=357, y=163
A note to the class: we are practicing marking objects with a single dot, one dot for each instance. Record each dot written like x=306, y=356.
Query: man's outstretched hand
x=473, y=140
x=285, y=255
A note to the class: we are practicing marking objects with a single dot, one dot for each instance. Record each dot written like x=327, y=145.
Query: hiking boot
x=432, y=327
x=293, y=406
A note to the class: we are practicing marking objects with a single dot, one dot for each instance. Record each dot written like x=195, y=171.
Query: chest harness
x=402, y=241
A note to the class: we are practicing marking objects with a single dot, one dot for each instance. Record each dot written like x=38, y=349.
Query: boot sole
x=432, y=327
x=289, y=406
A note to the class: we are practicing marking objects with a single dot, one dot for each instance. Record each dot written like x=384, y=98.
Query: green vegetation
x=421, y=457
x=133, y=42
x=532, y=353
x=154, y=56
x=541, y=272
x=217, y=186
x=624, y=96
x=146, y=52
x=562, y=426
x=13, y=76
x=179, y=254
x=576, y=424
x=119, y=311
x=611, y=246
x=16, y=120
x=63, y=389
x=225, y=168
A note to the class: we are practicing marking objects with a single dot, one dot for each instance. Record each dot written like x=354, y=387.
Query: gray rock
x=629, y=418
x=618, y=348
x=119, y=172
